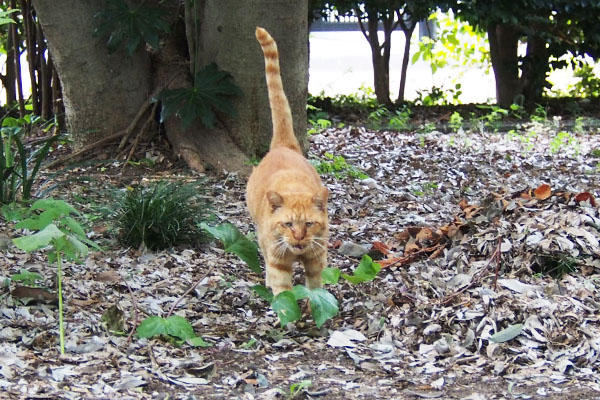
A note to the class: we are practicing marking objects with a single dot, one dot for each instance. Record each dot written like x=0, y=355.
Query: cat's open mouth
x=298, y=247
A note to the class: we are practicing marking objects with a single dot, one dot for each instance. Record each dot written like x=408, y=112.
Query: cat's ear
x=275, y=200
x=320, y=199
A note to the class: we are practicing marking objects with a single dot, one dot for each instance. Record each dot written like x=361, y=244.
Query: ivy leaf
x=179, y=327
x=212, y=91
x=151, y=326
x=507, y=334
x=301, y=292
x=323, y=306
x=286, y=307
x=39, y=239
x=263, y=292
x=366, y=271
x=330, y=275
x=236, y=243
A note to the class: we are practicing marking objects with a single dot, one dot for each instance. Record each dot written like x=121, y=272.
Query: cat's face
x=298, y=223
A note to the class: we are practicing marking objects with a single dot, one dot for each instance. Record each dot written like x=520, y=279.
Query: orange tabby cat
x=285, y=195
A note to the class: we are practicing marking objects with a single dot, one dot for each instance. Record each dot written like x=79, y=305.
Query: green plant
x=212, y=90
x=456, y=121
x=18, y=166
x=494, y=116
x=160, y=216
x=338, y=167
x=562, y=141
x=26, y=277
x=174, y=328
x=323, y=305
x=400, y=120
x=237, y=243
x=540, y=115
x=61, y=234
x=317, y=119
x=298, y=387
x=130, y=26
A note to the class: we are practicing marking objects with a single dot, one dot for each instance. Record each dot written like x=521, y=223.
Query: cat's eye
x=309, y=224
x=289, y=224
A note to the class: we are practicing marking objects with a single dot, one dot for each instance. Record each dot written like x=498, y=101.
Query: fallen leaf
x=585, y=197
x=542, y=192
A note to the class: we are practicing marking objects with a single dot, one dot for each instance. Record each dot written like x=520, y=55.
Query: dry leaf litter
x=466, y=226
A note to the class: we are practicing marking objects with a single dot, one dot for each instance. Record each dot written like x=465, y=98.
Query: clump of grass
x=160, y=216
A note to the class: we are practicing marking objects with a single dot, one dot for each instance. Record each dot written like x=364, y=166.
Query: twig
x=125, y=133
x=135, y=312
x=498, y=254
x=141, y=133
x=138, y=116
x=476, y=278
x=185, y=294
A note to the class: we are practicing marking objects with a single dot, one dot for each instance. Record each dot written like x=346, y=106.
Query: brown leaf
x=542, y=192
x=424, y=234
x=585, y=196
x=39, y=294
x=382, y=247
x=411, y=247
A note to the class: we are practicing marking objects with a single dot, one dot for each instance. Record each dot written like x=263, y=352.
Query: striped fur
x=285, y=195
x=283, y=128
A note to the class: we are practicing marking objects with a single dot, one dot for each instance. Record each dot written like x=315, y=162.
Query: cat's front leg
x=279, y=276
x=313, y=267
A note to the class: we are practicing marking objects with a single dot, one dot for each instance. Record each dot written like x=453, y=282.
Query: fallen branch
x=124, y=133
x=185, y=294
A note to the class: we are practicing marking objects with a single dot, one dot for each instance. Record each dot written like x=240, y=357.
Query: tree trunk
x=408, y=27
x=503, y=52
x=534, y=69
x=102, y=93
x=227, y=38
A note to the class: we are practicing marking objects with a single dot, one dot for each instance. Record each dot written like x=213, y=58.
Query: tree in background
x=115, y=57
x=386, y=15
x=550, y=29
x=21, y=34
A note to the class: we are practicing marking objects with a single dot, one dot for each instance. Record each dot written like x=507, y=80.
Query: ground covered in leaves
x=490, y=286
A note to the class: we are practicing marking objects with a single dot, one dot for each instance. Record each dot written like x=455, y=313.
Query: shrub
x=160, y=216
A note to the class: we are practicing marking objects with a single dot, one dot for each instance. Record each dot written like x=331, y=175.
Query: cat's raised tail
x=283, y=128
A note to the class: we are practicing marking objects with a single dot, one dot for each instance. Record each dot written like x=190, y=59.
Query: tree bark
x=227, y=38
x=101, y=92
x=503, y=52
x=534, y=69
x=408, y=27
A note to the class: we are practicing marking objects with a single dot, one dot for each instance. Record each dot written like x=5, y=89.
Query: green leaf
x=301, y=292
x=28, y=278
x=73, y=226
x=366, y=271
x=236, y=243
x=212, y=91
x=151, y=326
x=331, y=276
x=130, y=27
x=39, y=240
x=179, y=327
x=197, y=341
x=296, y=388
x=263, y=292
x=507, y=334
x=323, y=306
x=286, y=307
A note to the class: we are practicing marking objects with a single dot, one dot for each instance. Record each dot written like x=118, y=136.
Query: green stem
x=61, y=327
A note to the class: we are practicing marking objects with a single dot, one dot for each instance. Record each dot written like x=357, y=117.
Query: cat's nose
x=299, y=234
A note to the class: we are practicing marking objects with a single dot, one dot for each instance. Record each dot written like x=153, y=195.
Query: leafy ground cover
x=490, y=286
